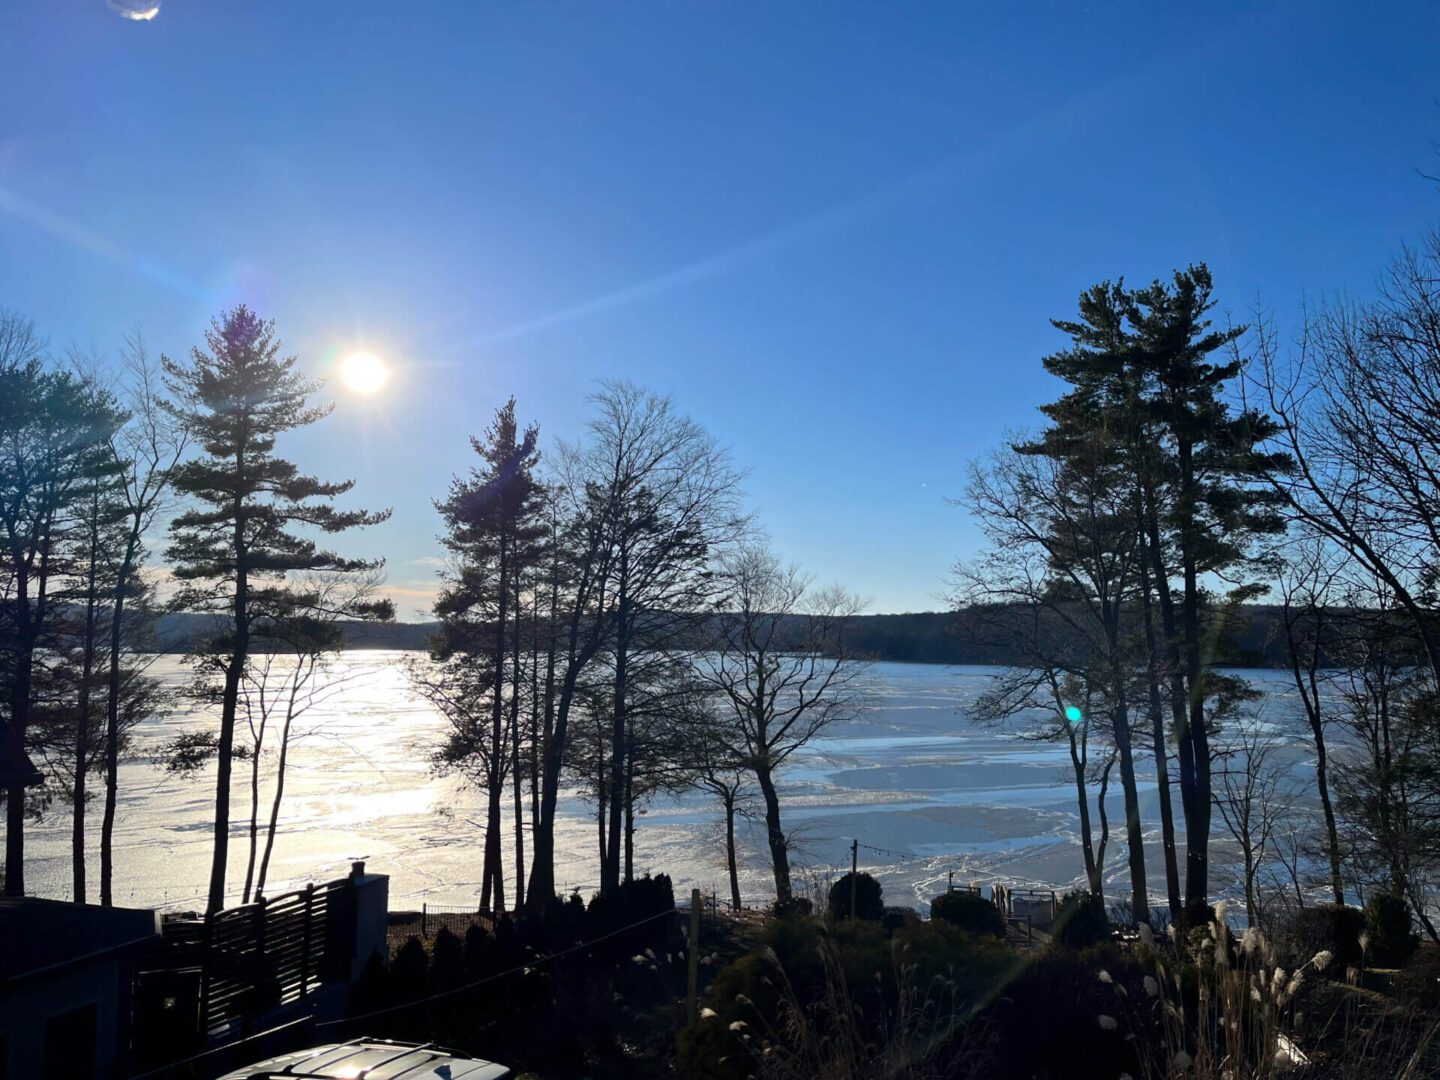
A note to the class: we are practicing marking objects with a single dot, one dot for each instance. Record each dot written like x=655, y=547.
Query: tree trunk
x=27, y=629
x=516, y=776
x=1104, y=841
x=1139, y=887
x=779, y=853
x=492, y=847
x=279, y=794
x=602, y=803
x=1184, y=746
x=1082, y=803
x=1306, y=684
x=494, y=871
x=239, y=657
x=254, y=810
x=112, y=724
x=619, y=750
x=1157, y=736
x=730, y=864
x=78, y=793
x=630, y=820
x=580, y=650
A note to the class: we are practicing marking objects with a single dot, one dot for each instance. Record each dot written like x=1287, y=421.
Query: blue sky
x=834, y=232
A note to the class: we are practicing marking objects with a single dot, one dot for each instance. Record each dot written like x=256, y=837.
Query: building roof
x=373, y=1059
x=41, y=935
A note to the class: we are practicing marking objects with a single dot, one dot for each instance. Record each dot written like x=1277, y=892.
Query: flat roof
x=43, y=934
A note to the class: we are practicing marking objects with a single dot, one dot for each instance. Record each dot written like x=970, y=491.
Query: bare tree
x=1306, y=585
x=1359, y=411
x=668, y=499
x=1253, y=799
x=1064, y=548
x=145, y=452
x=1049, y=695
x=1388, y=780
x=779, y=667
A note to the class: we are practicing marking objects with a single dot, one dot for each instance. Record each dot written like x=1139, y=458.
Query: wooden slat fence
x=261, y=955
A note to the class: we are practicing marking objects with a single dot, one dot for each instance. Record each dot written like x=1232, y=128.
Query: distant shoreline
x=926, y=637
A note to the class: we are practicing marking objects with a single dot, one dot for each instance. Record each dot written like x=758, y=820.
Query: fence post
x=205, y=965
x=693, y=984
x=305, y=939
x=424, y=919
x=259, y=977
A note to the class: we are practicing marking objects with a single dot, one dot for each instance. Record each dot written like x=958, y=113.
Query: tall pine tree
x=495, y=526
x=251, y=527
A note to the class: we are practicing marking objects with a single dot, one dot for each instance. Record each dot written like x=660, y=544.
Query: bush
x=796, y=905
x=868, y=904
x=1418, y=984
x=1387, y=922
x=1336, y=927
x=626, y=918
x=1046, y=1022
x=1081, y=922
x=969, y=912
x=897, y=918
x=842, y=985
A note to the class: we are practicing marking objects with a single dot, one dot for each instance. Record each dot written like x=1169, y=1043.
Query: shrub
x=969, y=912
x=1418, y=984
x=1332, y=927
x=623, y=921
x=1387, y=922
x=897, y=918
x=447, y=961
x=1081, y=921
x=846, y=994
x=1047, y=1023
x=796, y=905
x=868, y=904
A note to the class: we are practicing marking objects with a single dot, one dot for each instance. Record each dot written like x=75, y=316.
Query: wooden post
x=854, y=873
x=307, y=939
x=693, y=987
x=205, y=966
x=424, y=919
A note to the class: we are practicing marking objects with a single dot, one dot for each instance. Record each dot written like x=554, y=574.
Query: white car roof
x=373, y=1059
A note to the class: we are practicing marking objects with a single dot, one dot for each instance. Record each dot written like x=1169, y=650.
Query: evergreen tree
x=53, y=432
x=495, y=528
x=1142, y=372
x=237, y=549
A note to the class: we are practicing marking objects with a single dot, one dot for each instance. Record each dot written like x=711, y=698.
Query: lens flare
x=135, y=10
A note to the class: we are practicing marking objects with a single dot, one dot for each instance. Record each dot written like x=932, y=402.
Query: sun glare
x=363, y=373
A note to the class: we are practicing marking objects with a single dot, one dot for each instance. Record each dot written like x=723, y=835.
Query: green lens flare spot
x=1073, y=714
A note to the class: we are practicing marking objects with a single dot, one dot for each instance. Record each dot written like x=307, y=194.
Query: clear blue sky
x=834, y=232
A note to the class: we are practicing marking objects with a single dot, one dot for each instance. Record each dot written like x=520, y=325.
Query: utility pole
x=854, y=872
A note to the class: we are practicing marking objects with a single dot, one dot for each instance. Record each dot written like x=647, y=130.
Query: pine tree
x=1141, y=372
x=53, y=431
x=238, y=549
x=495, y=528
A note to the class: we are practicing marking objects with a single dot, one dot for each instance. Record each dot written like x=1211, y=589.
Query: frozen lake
x=912, y=776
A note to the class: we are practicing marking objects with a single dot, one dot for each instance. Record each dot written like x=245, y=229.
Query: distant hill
x=926, y=637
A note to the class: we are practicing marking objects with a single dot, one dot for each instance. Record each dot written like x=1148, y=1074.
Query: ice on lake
x=925, y=790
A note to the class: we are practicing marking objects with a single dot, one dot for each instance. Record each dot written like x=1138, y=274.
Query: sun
x=363, y=373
